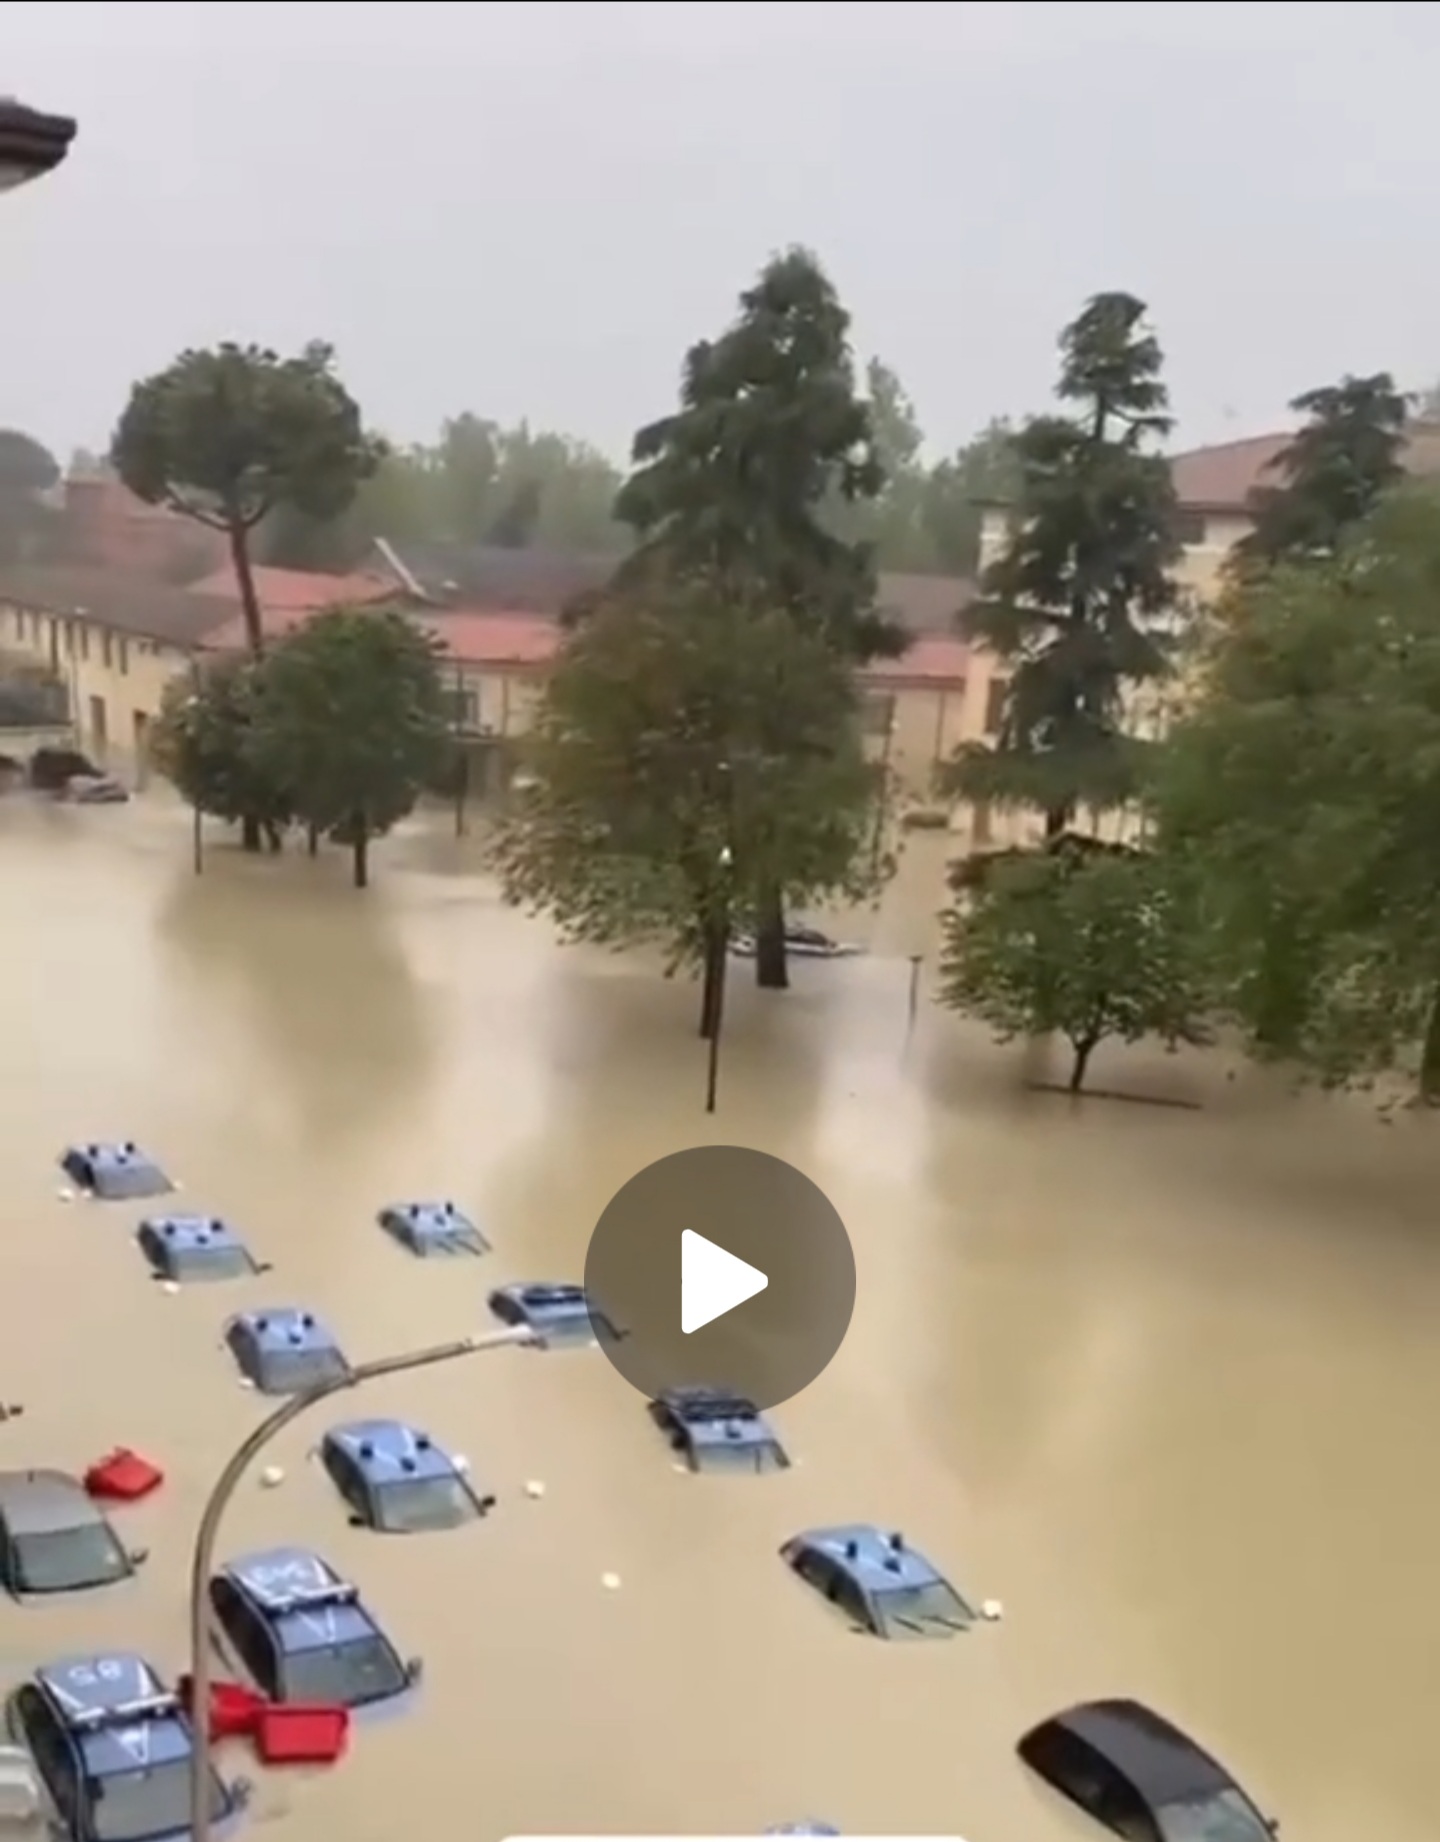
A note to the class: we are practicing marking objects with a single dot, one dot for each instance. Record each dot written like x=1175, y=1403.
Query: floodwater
x=1163, y=1380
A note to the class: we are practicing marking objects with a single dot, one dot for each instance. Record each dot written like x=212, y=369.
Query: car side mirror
x=414, y=1671
x=357, y=1521
x=139, y=1556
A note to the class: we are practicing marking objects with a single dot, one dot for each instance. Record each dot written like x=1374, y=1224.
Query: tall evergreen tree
x=732, y=488
x=1075, y=607
x=1333, y=474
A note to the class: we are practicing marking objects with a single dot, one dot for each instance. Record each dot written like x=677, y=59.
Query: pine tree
x=1076, y=606
x=1333, y=474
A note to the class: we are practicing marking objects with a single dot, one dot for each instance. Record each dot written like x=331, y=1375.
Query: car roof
x=548, y=1296
x=87, y=1691
x=1162, y=1763
x=192, y=1232
x=44, y=1502
x=281, y=1328
x=389, y=1449
x=305, y=1602
x=704, y=1402
x=431, y=1218
x=876, y=1559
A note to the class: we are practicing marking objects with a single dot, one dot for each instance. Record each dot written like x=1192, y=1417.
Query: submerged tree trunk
x=238, y=534
x=1430, y=1056
x=312, y=840
x=249, y=833
x=274, y=838
x=1084, y=1049
x=360, y=844
x=772, y=971
x=712, y=973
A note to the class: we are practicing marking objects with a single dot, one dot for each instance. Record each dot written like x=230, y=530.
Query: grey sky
x=533, y=208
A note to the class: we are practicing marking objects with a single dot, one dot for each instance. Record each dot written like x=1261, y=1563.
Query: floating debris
x=271, y=1476
x=611, y=1582
x=534, y=1488
x=992, y=1609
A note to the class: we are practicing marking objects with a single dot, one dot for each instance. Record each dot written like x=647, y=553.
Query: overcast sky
x=531, y=209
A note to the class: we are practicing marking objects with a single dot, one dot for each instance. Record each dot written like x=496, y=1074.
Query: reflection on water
x=1161, y=1380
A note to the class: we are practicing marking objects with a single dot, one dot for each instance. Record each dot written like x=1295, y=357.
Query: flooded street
x=1163, y=1380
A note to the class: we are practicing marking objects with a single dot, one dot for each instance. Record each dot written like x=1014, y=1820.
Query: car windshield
x=131, y=1806
x=1223, y=1816
x=296, y=1369
x=410, y=1504
x=210, y=1262
x=366, y=1669
x=62, y=1560
x=921, y=1611
x=738, y=1455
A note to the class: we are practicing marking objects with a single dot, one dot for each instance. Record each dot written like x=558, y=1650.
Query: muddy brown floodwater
x=1164, y=1381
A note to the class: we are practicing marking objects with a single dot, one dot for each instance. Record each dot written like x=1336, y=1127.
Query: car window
x=48, y=1745
x=922, y=1610
x=209, y=1262
x=352, y=1674
x=851, y=1600
x=1225, y=1816
x=247, y=1636
x=815, y=1567
x=129, y=1806
x=343, y=1475
x=409, y=1505
x=65, y=1560
x=293, y=1370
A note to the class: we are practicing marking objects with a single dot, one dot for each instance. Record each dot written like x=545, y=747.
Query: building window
x=462, y=707
x=877, y=713
x=124, y=655
x=70, y=639
x=1189, y=527
x=84, y=641
x=107, y=651
x=996, y=696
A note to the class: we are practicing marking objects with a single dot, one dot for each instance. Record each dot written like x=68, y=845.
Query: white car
x=803, y=942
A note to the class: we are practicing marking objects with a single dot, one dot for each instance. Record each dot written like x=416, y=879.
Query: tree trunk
x=361, y=848
x=1430, y=1056
x=312, y=841
x=249, y=833
x=1057, y=821
x=274, y=838
x=772, y=971
x=711, y=975
x=1084, y=1049
x=239, y=535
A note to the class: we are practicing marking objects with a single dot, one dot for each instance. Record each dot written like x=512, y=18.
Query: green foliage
x=351, y=715
x=769, y=435
x=225, y=436
x=674, y=727
x=1093, y=945
x=202, y=745
x=1333, y=474
x=1076, y=605
x=1303, y=789
x=27, y=523
x=27, y=466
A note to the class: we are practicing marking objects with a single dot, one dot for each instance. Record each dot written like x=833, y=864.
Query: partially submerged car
x=283, y=1350
x=302, y=1633
x=94, y=790
x=114, y=1747
x=881, y=1584
x=561, y=1316
x=718, y=1430
x=396, y=1480
x=187, y=1248
x=802, y=1829
x=54, y=1539
x=1131, y=1770
x=430, y=1228
x=804, y=942
x=115, y=1172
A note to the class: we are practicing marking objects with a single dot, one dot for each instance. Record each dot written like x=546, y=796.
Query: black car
x=1142, y=1778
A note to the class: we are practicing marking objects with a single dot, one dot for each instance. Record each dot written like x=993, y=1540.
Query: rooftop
x=126, y=604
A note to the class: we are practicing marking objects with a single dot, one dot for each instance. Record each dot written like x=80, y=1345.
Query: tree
x=227, y=436
x=1303, y=787
x=27, y=470
x=351, y=715
x=734, y=486
x=202, y=745
x=682, y=722
x=1075, y=606
x=956, y=491
x=1090, y=944
x=1333, y=474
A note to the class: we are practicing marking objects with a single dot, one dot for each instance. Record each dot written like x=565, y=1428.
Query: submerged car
x=880, y=1583
x=53, y=1538
x=302, y=1633
x=1131, y=1770
x=396, y=1480
x=429, y=1228
x=803, y=942
x=94, y=790
x=117, y=1172
x=186, y=1248
x=561, y=1316
x=114, y=1746
x=718, y=1430
x=802, y=1829
x=283, y=1350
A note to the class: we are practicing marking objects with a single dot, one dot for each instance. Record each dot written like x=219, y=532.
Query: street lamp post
x=31, y=144
x=203, y=1556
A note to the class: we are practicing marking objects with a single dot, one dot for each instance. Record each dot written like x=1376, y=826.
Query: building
x=103, y=525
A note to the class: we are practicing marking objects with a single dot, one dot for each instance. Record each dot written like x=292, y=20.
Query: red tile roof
x=473, y=638
x=935, y=660
x=1222, y=478
x=299, y=591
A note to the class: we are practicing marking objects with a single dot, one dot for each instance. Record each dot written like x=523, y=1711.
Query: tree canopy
x=1076, y=606
x=1345, y=458
x=676, y=725
x=203, y=745
x=1303, y=787
x=228, y=435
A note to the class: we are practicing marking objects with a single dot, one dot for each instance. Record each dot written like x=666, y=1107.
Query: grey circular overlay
x=747, y=1205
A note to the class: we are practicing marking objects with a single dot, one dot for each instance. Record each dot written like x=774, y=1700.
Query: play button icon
x=724, y=1268
x=712, y=1282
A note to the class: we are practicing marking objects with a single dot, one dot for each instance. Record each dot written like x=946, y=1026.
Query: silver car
x=53, y=1539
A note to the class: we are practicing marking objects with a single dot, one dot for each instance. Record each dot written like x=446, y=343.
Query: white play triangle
x=712, y=1282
